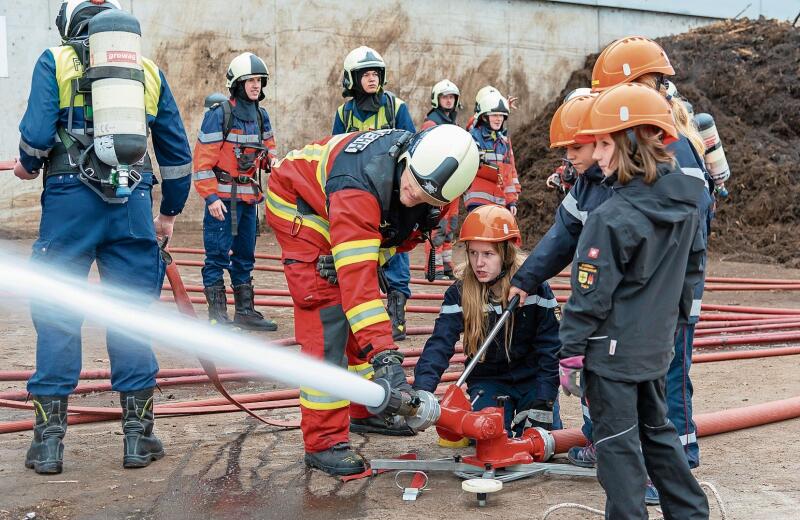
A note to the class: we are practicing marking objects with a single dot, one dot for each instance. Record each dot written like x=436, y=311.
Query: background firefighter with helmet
x=371, y=107
x=91, y=213
x=497, y=181
x=340, y=207
x=444, y=111
x=234, y=146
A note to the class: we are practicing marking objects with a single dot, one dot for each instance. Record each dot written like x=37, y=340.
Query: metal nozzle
x=428, y=412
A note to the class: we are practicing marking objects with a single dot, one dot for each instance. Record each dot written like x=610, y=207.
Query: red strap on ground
x=418, y=481
x=186, y=307
x=368, y=472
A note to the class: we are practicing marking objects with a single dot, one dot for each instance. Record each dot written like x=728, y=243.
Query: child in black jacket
x=635, y=267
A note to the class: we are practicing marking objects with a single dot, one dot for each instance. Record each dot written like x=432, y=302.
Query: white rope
x=571, y=505
x=709, y=486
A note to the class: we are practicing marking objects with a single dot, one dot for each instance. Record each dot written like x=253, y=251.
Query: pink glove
x=569, y=369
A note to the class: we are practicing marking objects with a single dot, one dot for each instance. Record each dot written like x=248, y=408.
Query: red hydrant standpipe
x=455, y=419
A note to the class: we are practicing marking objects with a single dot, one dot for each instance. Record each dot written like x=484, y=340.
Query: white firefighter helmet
x=74, y=15
x=580, y=91
x=245, y=66
x=360, y=59
x=443, y=161
x=491, y=102
x=442, y=88
x=482, y=92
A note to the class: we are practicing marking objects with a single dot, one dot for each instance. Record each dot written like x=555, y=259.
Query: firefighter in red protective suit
x=444, y=110
x=339, y=207
x=497, y=181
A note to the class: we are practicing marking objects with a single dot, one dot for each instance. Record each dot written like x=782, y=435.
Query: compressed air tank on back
x=715, y=160
x=214, y=99
x=115, y=68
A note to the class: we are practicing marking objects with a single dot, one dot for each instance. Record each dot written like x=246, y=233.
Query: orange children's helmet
x=490, y=223
x=566, y=120
x=626, y=59
x=626, y=106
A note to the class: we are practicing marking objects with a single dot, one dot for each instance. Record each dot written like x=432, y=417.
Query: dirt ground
x=229, y=466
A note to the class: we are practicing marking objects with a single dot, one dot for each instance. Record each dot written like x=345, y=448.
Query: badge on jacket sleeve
x=587, y=275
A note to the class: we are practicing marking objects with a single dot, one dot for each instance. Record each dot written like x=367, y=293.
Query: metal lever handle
x=512, y=305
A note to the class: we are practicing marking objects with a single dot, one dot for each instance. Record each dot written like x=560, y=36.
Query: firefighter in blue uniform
x=79, y=226
x=372, y=107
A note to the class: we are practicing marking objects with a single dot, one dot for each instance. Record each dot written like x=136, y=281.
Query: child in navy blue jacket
x=522, y=362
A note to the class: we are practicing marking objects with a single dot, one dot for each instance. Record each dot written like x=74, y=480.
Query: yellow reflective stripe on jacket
x=68, y=68
x=369, y=123
x=319, y=153
x=355, y=251
x=322, y=167
x=152, y=87
x=364, y=370
x=366, y=314
x=285, y=210
x=385, y=254
x=316, y=400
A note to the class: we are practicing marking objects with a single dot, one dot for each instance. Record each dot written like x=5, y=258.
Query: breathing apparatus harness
x=79, y=144
x=249, y=156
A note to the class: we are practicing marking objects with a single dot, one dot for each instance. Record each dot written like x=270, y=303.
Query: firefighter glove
x=327, y=269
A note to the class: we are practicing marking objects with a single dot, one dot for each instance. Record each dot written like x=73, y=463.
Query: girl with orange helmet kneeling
x=636, y=263
x=522, y=362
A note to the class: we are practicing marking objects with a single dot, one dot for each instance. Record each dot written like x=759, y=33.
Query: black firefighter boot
x=247, y=317
x=396, y=307
x=46, y=454
x=337, y=460
x=217, y=304
x=141, y=447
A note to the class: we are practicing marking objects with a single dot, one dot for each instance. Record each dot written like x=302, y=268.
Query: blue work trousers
x=225, y=251
x=77, y=228
x=679, y=394
x=398, y=273
x=487, y=392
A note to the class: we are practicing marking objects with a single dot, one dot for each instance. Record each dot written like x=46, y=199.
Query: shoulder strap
x=390, y=109
x=347, y=114
x=227, y=119
x=260, y=124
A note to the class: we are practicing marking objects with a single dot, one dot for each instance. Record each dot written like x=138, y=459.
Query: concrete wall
x=525, y=48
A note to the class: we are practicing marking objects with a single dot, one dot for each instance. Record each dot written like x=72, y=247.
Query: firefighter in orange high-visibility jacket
x=497, y=181
x=340, y=207
x=234, y=146
x=444, y=110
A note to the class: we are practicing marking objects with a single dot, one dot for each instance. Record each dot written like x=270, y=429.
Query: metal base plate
x=468, y=471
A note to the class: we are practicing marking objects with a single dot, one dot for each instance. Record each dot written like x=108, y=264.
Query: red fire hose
x=748, y=328
x=563, y=274
x=285, y=292
x=710, y=423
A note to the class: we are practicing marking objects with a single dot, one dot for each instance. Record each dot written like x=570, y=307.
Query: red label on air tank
x=120, y=57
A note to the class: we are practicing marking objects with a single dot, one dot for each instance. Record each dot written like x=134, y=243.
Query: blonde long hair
x=644, y=159
x=475, y=296
x=680, y=114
